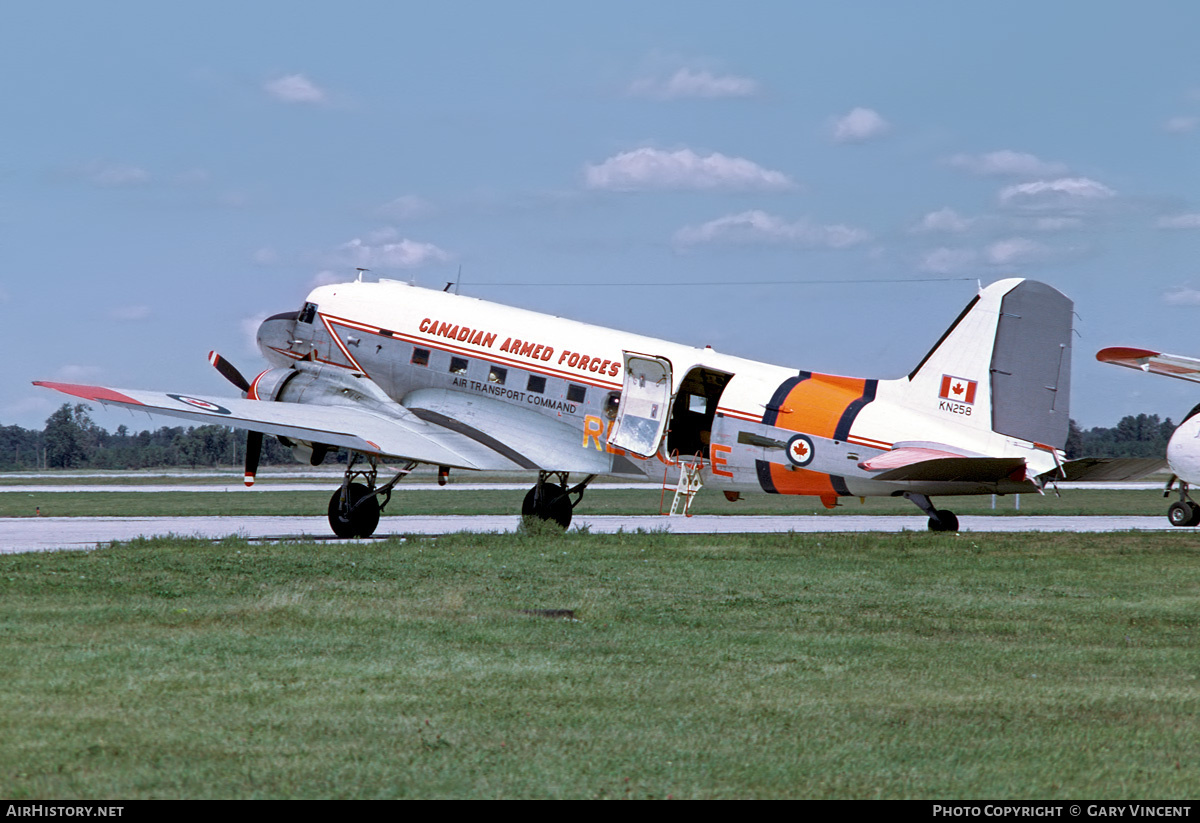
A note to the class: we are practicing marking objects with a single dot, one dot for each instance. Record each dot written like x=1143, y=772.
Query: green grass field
x=596, y=501
x=907, y=665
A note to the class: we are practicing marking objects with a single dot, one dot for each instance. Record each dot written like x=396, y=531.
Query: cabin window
x=697, y=404
x=458, y=365
x=612, y=405
x=576, y=394
x=497, y=375
x=420, y=357
x=536, y=384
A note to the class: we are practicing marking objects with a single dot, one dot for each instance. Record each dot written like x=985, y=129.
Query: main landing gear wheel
x=547, y=502
x=355, y=516
x=940, y=520
x=1185, y=513
x=943, y=520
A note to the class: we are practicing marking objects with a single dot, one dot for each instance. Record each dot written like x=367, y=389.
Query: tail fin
x=1005, y=363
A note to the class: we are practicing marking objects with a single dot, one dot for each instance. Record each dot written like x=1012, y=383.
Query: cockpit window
x=308, y=313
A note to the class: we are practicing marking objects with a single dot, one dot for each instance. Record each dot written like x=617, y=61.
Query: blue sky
x=818, y=185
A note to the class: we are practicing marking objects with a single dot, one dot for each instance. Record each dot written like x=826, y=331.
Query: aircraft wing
x=403, y=435
x=1172, y=365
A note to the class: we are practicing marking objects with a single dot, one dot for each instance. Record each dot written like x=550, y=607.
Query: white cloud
x=249, y=328
x=112, y=175
x=1063, y=191
x=647, y=168
x=265, y=256
x=377, y=252
x=326, y=277
x=406, y=207
x=1182, y=296
x=944, y=220
x=77, y=374
x=294, y=88
x=859, y=125
x=1180, y=221
x=1015, y=251
x=948, y=261
x=688, y=83
x=1005, y=163
x=1181, y=125
x=760, y=227
x=1057, y=223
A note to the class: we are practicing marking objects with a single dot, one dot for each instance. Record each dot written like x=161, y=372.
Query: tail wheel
x=943, y=520
x=547, y=502
x=1184, y=514
x=358, y=516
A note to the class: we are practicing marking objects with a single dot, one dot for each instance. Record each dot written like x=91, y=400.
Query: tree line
x=71, y=440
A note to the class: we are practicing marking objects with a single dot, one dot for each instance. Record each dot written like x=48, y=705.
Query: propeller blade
x=253, y=449
x=228, y=371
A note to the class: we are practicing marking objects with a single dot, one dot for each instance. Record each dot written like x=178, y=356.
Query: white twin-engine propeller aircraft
x=1183, y=449
x=394, y=372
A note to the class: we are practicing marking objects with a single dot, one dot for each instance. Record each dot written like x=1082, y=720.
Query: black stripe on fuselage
x=847, y=420
x=476, y=435
x=764, y=476
x=775, y=405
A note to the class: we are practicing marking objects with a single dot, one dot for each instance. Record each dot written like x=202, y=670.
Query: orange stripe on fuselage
x=814, y=406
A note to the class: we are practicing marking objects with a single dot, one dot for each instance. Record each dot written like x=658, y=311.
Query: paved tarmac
x=26, y=534
x=21, y=534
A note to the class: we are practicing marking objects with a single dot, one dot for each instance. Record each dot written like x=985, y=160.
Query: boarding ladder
x=690, y=482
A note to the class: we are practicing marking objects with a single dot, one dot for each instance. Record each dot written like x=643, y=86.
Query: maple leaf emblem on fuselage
x=800, y=450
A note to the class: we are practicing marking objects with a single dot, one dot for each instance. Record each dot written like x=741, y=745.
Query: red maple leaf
x=958, y=389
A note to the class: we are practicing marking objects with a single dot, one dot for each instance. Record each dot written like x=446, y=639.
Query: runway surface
x=29, y=534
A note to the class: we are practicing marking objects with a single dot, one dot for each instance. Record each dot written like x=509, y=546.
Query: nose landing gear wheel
x=357, y=515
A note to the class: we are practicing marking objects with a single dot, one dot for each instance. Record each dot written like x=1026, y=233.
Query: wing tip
x=98, y=394
x=1116, y=354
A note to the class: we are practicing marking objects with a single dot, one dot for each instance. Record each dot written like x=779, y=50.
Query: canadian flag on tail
x=957, y=389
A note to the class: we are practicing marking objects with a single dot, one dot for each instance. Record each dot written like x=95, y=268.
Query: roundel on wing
x=800, y=450
x=203, y=405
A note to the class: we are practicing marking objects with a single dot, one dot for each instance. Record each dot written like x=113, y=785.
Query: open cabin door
x=645, y=406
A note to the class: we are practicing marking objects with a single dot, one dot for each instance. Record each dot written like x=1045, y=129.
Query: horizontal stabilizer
x=958, y=469
x=1106, y=469
x=1171, y=365
x=905, y=456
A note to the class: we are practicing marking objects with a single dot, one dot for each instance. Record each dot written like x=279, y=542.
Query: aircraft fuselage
x=518, y=378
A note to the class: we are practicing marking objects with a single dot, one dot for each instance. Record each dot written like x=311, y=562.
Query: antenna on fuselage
x=360, y=271
x=455, y=282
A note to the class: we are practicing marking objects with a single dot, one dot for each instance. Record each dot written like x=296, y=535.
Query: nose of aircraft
x=275, y=335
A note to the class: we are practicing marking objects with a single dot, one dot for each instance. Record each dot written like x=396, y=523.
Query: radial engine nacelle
x=320, y=385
